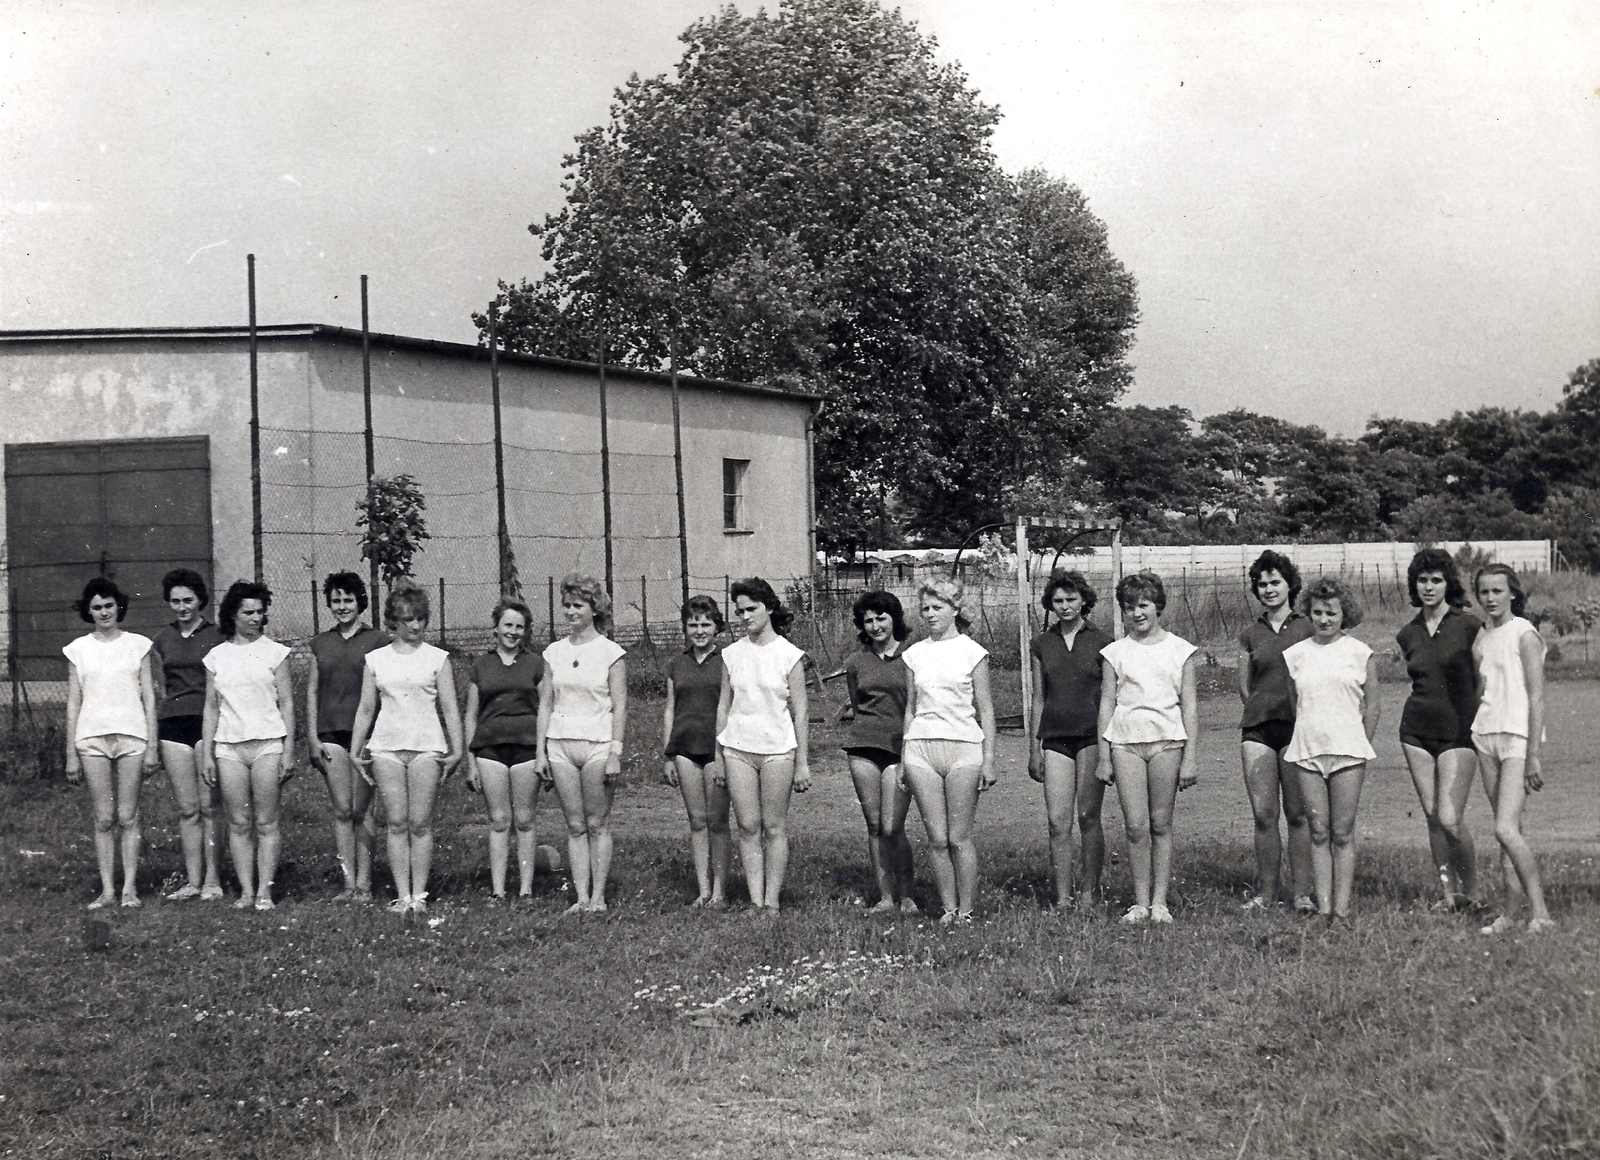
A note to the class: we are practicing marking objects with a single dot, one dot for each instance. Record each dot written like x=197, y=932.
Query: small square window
x=733, y=473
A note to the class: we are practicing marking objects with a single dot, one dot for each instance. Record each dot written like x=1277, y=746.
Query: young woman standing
x=111, y=717
x=333, y=693
x=247, y=736
x=1508, y=733
x=948, y=756
x=689, y=747
x=1436, y=724
x=1149, y=727
x=503, y=724
x=181, y=649
x=1066, y=750
x=1335, y=683
x=1265, y=728
x=876, y=678
x=409, y=753
x=583, y=717
x=763, y=736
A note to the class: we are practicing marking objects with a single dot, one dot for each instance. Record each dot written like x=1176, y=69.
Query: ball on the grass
x=546, y=859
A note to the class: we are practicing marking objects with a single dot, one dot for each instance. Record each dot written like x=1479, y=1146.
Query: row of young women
x=735, y=730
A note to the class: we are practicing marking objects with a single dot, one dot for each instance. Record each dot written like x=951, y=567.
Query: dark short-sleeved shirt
x=696, y=689
x=508, y=699
x=184, y=676
x=1071, y=680
x=339, y=666
x=1444, y=692
x=1270, y=699
x=880, y=699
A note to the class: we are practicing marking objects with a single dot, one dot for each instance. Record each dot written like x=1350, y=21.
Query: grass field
x=324, y=1030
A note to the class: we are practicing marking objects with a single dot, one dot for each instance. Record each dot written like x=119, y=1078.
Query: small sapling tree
x=392, y=526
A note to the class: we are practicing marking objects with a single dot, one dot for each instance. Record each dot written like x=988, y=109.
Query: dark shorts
x=700, y=759
x=1275, y=735
x=508, y=754
x=179, y=730
x=1071, y=746
x=882, y=758
x=339, y=737
x=1433, y=746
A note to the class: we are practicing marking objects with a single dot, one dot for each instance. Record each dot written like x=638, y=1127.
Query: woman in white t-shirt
x=1508, y=733
x=111, y=726
x=762, y=736
x=947, y=755
x=583, y=715
x=1334, y=680
x=245, y=736
x=1149, y=729
x=408, y=753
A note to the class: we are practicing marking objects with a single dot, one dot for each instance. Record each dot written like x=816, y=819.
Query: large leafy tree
x=811, y=201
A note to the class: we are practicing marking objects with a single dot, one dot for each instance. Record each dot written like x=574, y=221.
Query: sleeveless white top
x=108, y=678
x=1149, y=689
x=1328, y=680
x=758, y=716
x=408, y=695
x=247, y=689
x=1504, y=708
x=580, y=678
x=942, y=672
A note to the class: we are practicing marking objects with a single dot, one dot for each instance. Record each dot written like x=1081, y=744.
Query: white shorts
x=405, y=756
x=1145, y=750
x=755, y=761
x=247, y=753
x=576, y=752
x=111, y=746
x=1501, y=746
x=941, y=755
x=1328, y=764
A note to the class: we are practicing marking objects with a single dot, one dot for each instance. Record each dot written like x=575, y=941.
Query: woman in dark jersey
x=503, y=723
x=180, y=648
x=876, y=677
x=1436, y=724
x=1266, y=727
x=333, y=692
x=1066, y=745
x=689, y=747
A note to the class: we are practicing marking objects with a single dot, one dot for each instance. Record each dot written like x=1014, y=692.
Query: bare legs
x=1266, y=775
x=1442, y=788
x=1071, y=788
x=353, y=826
x=883, y=806
x=1502, y=779
x=250, y=797
x=512, y=794
x=408, y=789
x=760, y=800
x=586, y=802
x=1331, y=810
x=706, y=803
x=948, y=804
x=1147, y=790
x=198, y=804
x=114, y=795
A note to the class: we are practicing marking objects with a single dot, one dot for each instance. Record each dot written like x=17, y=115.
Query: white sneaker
x=1135, y=914
x=1501, y=925
x=1160, y=914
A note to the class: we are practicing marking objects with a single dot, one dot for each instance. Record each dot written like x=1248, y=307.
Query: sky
x=1333, y=210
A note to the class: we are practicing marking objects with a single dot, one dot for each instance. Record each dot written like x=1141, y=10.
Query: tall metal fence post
x=727, y=600
x=605, y=468
x=677, y=464
x=366, y=406
x=550, y=583
x=502, y=534
x=441, y=612
x=13, y=658
x=255, y=429
x=644, y=605
x=316, y=613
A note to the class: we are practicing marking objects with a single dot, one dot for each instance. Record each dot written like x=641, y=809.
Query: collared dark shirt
x=696, y=689
x=1071, y=680
x=1444, y=692
x=508, y=699
x=339, y=667
x=184, y=677
x=880, y=699
x=1270, y=699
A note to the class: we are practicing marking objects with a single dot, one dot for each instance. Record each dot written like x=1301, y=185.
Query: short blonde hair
x=591, y=592
x=949, y=590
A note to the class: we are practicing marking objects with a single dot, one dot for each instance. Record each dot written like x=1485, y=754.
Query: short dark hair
x=1063, y=578
x=1270, y=561
x=757, y=589
x=405, y=597
x=1519, y=599
x=881, y=602
x=703, y=606
x=1436, y=560
x=1137, y=586
x=185, y=578
x=238, y=592
x=100, y=586
x=508, y=604
x=345, y=582
x=1327, y=588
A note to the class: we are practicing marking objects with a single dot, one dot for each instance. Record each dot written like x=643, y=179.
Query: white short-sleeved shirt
x=580, y=679
x=942, y=672
x=1498, y=651
x=408, y=698
x=108, y=676
x=1328, y=681
x=759, y=720
x=1149, y=689
x=247, y=689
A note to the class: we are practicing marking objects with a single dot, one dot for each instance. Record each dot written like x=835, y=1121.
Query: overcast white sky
x=1333, y=210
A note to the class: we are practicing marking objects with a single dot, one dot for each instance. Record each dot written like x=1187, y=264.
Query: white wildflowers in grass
x=808, y=981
